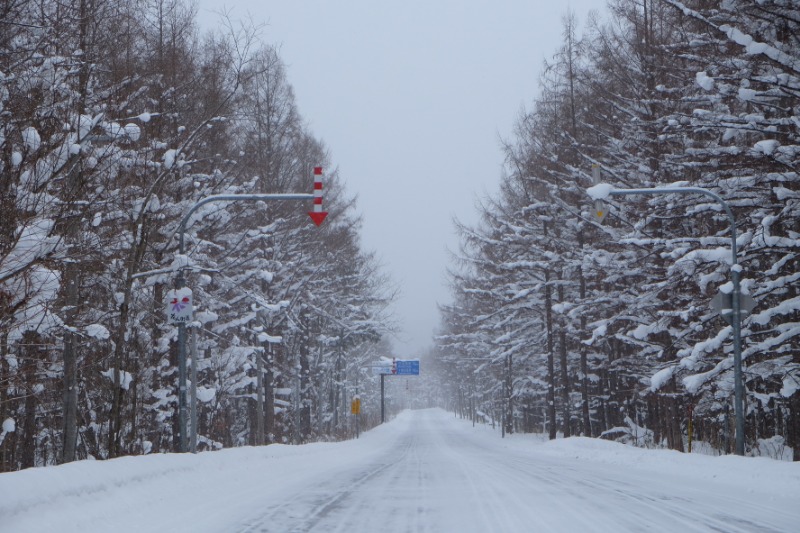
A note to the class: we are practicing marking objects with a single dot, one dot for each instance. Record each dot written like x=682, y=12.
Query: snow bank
x=173, y=492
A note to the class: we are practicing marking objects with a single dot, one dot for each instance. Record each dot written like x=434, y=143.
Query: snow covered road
x=423, y=472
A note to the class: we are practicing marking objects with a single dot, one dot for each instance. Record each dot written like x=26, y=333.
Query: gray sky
x=411, y=98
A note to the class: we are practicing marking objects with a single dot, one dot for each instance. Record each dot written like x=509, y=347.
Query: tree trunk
x=565, y=382
x=4, y=404
x=72, y=271
x=587, y=421
x=509, y=421
x=70, y=401
x=676, y=424
x=27, y=442
x=551, y=374
x=134, y=259
x=793, y=431
x=269, y=398
x=260, y=394
x=115, y=416
x=304, y=417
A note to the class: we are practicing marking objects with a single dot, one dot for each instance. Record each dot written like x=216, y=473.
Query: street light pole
x=180, y=283
x=601, y=190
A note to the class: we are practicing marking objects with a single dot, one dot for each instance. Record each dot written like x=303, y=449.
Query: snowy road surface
x=423, y=472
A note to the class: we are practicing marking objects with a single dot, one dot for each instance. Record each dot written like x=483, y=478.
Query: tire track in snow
x=441, y=477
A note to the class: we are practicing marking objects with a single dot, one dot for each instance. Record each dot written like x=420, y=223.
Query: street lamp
x=317, y=215
x=601, y=191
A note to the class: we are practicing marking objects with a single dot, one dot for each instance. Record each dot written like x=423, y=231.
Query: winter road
x=425, y=471
x=440, y=477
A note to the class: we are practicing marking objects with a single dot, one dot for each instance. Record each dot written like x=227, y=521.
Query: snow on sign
x=179, y=306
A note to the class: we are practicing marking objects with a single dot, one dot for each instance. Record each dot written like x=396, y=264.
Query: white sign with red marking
x=317, y=215
x=179, y=306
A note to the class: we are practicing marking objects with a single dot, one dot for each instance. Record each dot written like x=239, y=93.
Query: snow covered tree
x=700, y=93
x=116, y=119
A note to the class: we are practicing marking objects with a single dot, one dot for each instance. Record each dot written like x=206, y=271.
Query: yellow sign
x=355, y=406
x=599, y=210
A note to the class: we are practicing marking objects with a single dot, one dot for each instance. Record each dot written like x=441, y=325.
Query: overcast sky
x=412, y=98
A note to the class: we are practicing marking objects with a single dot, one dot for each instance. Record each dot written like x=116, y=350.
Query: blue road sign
x=407, y=368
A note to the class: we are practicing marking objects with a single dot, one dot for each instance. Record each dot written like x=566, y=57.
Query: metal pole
x=260, y=398
x=180, y=282
x=358, y=395
x=383, y=412
x=193, y=435
x=736, y=317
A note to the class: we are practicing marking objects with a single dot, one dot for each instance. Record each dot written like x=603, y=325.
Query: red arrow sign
x=317, y=215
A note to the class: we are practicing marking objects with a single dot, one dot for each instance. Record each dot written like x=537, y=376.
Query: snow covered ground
x=424, y=471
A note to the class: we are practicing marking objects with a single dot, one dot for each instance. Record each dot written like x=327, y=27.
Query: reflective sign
x=179, y=306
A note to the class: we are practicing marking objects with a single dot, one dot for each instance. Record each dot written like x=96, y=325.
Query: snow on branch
x=125, y=378
x=9, y=426
x=751, y=46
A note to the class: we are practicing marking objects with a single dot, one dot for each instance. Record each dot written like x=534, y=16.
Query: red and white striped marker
x=317, y=215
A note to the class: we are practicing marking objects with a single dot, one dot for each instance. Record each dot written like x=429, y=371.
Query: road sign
x=382, y=368
x=407, y=368
x=355, y=406
x=600, y=210
x=179, y=306
x=722, y=303
x=396, y=367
